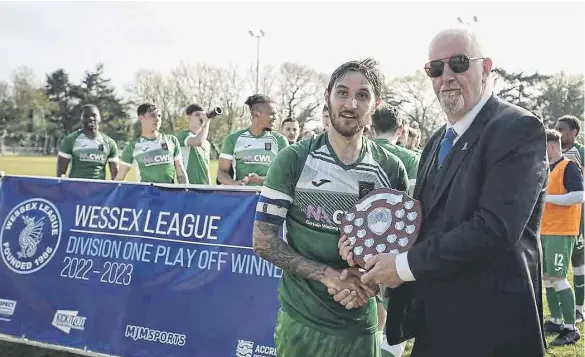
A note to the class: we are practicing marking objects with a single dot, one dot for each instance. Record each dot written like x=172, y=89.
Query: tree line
x=37, y=113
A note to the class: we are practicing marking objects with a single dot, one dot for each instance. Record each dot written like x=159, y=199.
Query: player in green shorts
x=156, y=156
x=309, y=187
x=88, y=149
x=250, y=152
x=195, y=146
x=559, y=230
x=569, y=127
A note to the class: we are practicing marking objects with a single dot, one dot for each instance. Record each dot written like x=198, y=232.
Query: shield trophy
x=383, y=221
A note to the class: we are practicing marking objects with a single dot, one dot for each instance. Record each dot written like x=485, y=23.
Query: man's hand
x=381, y=269
x=255, y=178
x=348, y=298
x=350, y=292
x=346, y=250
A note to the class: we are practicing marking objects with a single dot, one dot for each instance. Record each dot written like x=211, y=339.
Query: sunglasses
x=458, y=64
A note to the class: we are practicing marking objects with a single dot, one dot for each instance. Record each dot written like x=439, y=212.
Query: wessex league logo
x=30, y=235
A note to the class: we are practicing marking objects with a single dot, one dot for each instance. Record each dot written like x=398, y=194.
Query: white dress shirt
x=460, y=127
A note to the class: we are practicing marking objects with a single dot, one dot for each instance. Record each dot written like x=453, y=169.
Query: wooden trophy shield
x=383, y=221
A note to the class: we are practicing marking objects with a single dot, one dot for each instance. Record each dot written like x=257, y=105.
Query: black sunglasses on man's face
x=458, y=64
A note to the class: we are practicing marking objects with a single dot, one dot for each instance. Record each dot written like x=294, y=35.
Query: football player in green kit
x=87, y=149
x=195, y=146
x=569, y=127
x=249, y=152
x=157, y=156
x=309, y=186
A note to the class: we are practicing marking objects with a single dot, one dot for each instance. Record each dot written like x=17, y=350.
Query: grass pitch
x=47, y=166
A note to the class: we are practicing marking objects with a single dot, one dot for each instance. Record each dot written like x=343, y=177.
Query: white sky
x=521, y=36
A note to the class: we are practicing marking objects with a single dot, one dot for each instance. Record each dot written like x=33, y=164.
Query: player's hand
x=381, y=269
x=244, y=181
x=255, y=178
x=356, y=293
x=346, y=250
x=345, y=297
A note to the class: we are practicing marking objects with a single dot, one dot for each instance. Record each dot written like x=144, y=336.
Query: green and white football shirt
x=88, y=155
x=310, y=190
x=250, y=153
x=195, y=158
x=575, y=153
x=409, y=158
x=154, y=159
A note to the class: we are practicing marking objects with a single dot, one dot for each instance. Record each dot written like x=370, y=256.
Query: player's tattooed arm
x=269, y=246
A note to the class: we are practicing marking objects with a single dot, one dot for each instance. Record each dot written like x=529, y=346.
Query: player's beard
x=336, y=121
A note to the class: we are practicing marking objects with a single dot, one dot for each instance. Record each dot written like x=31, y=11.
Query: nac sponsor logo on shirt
x=7, y=308
x=157, y=336
x=258, y=159
x=67, y=320
x=92, y=157
x=30, y=235
x=250, y=349
x=158, y=159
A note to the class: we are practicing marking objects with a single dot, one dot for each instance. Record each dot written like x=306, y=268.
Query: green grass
x=46, y=166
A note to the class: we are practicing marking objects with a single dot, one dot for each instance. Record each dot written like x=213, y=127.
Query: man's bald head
x=473, y=42
x=460, y=70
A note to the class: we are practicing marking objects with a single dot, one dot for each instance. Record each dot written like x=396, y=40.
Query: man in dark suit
x=471, y=285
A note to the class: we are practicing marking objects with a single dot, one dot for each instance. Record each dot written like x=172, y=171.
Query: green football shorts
x=557, y=252
x=294, y=339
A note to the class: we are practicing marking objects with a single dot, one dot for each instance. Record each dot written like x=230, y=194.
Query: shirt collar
x=462, y=125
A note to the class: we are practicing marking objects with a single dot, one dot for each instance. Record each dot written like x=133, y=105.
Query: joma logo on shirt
x=158, y=159
x=258, y=158
x=319, y=214
x=92, y=157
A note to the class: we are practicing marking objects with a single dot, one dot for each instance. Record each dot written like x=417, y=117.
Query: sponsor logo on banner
x=30, y=235
x=147, y=334
x=250, y=349
x=65, y=320
x=7, y=308
x=245, y=348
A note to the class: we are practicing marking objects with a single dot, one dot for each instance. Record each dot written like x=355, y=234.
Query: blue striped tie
x=446, y=145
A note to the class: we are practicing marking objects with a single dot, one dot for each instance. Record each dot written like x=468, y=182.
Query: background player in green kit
x=195, y=146
x=250, y=152
x=88, y=149
x=387, y=126
x=309, y=187
x=569, y=127
x=156, y=156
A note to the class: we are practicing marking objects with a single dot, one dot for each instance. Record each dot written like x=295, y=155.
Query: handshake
x=353, y=287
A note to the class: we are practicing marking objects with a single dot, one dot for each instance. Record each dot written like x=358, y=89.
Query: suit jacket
x=478, y=259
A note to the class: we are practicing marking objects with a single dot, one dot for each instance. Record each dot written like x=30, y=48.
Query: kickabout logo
x=147, y=334
x=30, y=235
x=66, y=320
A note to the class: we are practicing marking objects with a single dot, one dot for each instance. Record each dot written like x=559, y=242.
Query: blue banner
x=134, y=270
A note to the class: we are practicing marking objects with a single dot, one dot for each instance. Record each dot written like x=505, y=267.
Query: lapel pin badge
x=464, y=147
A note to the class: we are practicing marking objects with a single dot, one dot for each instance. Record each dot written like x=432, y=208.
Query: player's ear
x=326, y=95
x=378, y=102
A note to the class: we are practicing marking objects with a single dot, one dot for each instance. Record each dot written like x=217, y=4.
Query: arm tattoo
x=273, y=249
